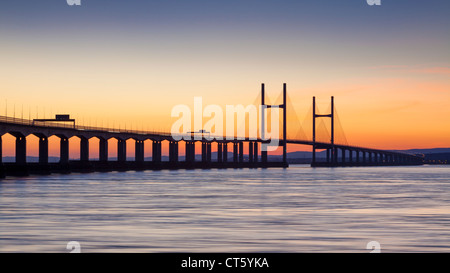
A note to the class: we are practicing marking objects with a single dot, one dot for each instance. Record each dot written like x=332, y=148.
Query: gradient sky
x=114, y=62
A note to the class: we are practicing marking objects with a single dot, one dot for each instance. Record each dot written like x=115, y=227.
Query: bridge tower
x=331, y=115
x=263, y=122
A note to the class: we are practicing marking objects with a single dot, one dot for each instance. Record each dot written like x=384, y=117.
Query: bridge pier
x=64, y=150
x=43, y=149
x=175, y=151
x=335, y=155
x=255, y=152
x=241, y=152
x=84, y=149
x=121, y=150
x=219, y=152
x=21, y=148
x=204, y=152
x=103, y=150
x=187, y=153
x=156, y=151
x=263, y=154
x=250, y=151
x=208, y=152
x=139, y=151
x=235, y=152
x=225, y=152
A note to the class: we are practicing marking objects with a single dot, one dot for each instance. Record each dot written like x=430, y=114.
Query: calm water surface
x=298, y=209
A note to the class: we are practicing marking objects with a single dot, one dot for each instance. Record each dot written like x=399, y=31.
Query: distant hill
x=425, y=151
x=436, y=158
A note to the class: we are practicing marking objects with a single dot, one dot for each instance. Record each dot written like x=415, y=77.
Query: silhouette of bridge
x=337, y=155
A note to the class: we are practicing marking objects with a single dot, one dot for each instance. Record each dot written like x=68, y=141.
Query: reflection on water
x=298, y=209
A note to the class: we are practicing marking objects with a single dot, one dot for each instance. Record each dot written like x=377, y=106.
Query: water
x=298, y=209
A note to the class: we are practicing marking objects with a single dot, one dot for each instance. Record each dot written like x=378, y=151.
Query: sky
x=128, y=63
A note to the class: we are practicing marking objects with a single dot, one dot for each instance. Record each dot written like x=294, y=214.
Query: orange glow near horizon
x=403, y=112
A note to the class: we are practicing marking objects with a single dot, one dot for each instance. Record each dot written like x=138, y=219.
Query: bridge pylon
x=263, y=122
x=331, y=152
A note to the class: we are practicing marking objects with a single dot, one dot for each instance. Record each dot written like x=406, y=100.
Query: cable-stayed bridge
x=244, y=152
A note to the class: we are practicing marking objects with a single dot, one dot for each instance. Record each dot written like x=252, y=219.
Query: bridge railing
x=66, y=125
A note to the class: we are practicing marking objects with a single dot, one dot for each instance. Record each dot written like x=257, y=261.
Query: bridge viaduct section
x=21, y=129
x=336, y=155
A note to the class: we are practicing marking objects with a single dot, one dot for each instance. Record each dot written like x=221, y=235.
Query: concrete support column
x=187, y=156
x=21, y=149
x=343, y=155
x=263, y=155
x=1, y=152
x=208, y=152
x=84, y=149
x=255, y=152
x=103, y=150
x=64, y=150
x=350, y=158
x=192, y=151
x=370, y=157
x=335, y=155
x=121, y=150
x=235, y=152
x=173, y=151
x=225, y=152
x=204, y=152
x=328, y=155
x=241, y=152
x=219, y=152
x=156, y=151
x=364, y=157
x=357, y=156
x=250, y=152
x=43, y=150
x=139, y=151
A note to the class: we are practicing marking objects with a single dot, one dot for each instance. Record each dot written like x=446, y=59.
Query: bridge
x=337, y=155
